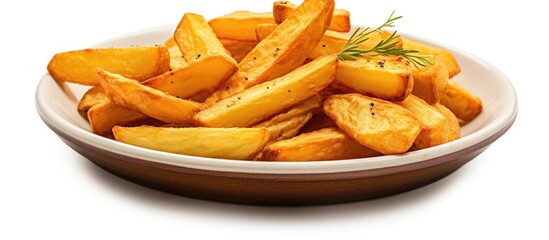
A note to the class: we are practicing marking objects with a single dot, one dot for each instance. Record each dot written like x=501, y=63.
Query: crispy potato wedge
x=380, y=125
x=176, y=58
x=341, y=20
x=195, y=78
x=331, y=43
x=446, y=56
x=196, y=39
x=435, y=124
x=431, y=80
x=133, y=95
x=319, y=121
x=239, y=25
x=287, y=124
x=138, y=63
x=228, y=143
x=284, y=50
x=323, y=144
x=388, y=78
x=461, y=102
x=454, y=129
x=92, y=97
x=269, y=98
x=238, y=49
x=104, y=116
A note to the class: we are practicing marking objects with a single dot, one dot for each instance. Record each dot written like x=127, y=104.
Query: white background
x=49, y=191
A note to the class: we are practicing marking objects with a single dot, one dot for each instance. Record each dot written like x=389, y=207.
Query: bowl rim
x=493, y=130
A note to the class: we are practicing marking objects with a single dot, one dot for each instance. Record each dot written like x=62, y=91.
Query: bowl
x=282, y=183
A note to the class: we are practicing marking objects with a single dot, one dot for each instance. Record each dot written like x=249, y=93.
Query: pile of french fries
x=269, y=87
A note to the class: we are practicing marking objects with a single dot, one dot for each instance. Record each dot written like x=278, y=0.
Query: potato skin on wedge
x=378, y=124
x=138, y=63
x=461, y=101
x=323, y=144
x=435, y=124
x=92, y=97
x=133, y=95
x=269, y=98
x=341, y=20
x=454, y=129
x=227, y=143
x=431, y=80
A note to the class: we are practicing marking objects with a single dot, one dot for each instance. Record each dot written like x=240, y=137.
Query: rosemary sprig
x=384, y=47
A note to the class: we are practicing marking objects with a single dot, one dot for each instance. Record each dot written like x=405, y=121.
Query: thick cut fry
x=92, y=97
x=341, y=20
x=196, y=39
x=378, y=124
x=431, y=80
x=195, y=78
x=461, y=102
x=435, y=125
x=228, y=143
x=238, y=49
x=324, y=144
x=154, y=103
x=287, y=125
x=388, y=78
x=104, y=116
x=454, y=130
x=446, y=56
x=265, y=100
x=318, y=121
x=138, y=63
x=239, y=25
x=284, y=50
x=176, y=58
x=332, y=42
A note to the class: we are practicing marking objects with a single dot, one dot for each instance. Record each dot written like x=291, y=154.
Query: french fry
x=196, y=39
x=341, y=20
x=388, y=78
x=195, y=78
x=92, y=97
x=380, y=125
x=446, y=56
x=319, y=121
x=228, y=143
x=104, y=116
x=323, y=144
x=435, y=124
x=461, y=102
x=239, y=25
x=237, y=48
x=431, y=80
x=332, y=42
x=284, y=50
x=287, y=125
x=454, y=129
x=176, y=58
x=133, y=95
x=138, y=63
x=269, y=98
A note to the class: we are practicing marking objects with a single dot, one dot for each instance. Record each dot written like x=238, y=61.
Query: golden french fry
x=269, y=98
x=431, y=80
x=446, y=56
x=378, y=124
x=287, y=125
x=461, y=102
x=237, y=48
x=176, y=58
x=138, y=63
x=239, y=25
x=104, y=116
x=283, y=51
x=332, y=42
x=454, y=129
x=195, y=78
x=92, y=97
x=388, y=78
x=435, y=124
x=323, y=144
x=133, y=95
x=341, y=20
x=228, y=143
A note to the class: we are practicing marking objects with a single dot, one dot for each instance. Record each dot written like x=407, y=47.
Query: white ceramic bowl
x=293, y=182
